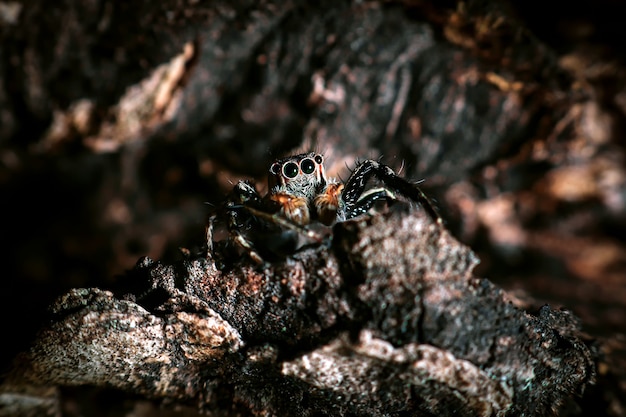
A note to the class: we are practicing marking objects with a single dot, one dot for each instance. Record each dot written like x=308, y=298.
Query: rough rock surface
x=384, y=318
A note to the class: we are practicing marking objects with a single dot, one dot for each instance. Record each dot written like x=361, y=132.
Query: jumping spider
x=301, y=194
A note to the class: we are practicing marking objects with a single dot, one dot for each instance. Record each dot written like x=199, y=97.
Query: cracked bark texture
x=387, y=318
x=118, y=121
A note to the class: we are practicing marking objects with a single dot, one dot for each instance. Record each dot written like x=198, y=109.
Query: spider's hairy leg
x=245, y=244
x=357, y=202
x=209, y=237
x=244, y=193
x=248, y=203
x=279, y=220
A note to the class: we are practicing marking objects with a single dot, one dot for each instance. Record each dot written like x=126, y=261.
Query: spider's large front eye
x=307, y=165
x=290, y=170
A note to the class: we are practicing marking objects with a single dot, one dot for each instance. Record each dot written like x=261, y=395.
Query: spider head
x=300, y=175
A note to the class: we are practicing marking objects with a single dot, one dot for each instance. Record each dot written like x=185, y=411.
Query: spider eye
x=275, y=168
x=319, y=159
x=307, y=165
x=290, y=170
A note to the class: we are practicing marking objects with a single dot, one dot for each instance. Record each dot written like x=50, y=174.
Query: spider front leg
x=244, y=195
x=248, y=212
x=356, y=201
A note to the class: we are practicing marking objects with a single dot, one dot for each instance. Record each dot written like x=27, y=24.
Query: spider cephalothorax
x=301, y=194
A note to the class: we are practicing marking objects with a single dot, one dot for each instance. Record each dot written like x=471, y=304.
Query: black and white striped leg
x=357, y=201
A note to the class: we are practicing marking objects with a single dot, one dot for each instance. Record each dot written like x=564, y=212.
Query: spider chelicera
x=301, y=195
